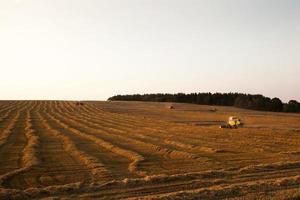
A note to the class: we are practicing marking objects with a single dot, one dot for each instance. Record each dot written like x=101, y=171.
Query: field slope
x=143, y=150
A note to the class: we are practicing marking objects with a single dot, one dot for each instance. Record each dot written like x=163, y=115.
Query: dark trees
x=254, y=102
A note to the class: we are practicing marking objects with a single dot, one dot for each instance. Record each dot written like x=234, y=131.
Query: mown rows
x=54, y=148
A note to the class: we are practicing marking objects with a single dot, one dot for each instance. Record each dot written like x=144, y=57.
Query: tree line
x=248, y=101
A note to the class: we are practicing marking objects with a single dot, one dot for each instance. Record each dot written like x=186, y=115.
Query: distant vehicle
x=79, y=104
x=213, y=110
x=171, y=107
x=233, y=122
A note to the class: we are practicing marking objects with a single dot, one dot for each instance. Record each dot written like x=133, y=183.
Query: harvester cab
x=233, y=122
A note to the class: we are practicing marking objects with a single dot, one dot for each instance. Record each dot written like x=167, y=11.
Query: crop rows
x=52, y=148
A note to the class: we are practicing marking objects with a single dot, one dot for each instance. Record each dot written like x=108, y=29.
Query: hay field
x=137, y=150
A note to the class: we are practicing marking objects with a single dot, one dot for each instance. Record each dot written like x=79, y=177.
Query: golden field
x=141, y=150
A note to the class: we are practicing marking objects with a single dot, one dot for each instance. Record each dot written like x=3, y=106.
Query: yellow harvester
x=233, y=122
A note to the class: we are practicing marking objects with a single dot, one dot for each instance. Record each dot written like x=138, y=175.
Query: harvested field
x=139, y=150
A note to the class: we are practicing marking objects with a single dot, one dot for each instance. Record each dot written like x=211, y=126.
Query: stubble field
x=136, y=150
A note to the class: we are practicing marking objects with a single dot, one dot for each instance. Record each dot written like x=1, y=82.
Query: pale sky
x=93, y=49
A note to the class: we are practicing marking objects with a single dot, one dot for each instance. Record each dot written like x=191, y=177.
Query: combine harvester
x=233, y=122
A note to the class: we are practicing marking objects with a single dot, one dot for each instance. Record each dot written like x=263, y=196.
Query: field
x=136, y=150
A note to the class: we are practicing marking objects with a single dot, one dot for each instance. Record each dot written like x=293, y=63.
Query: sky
x=93, y=49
